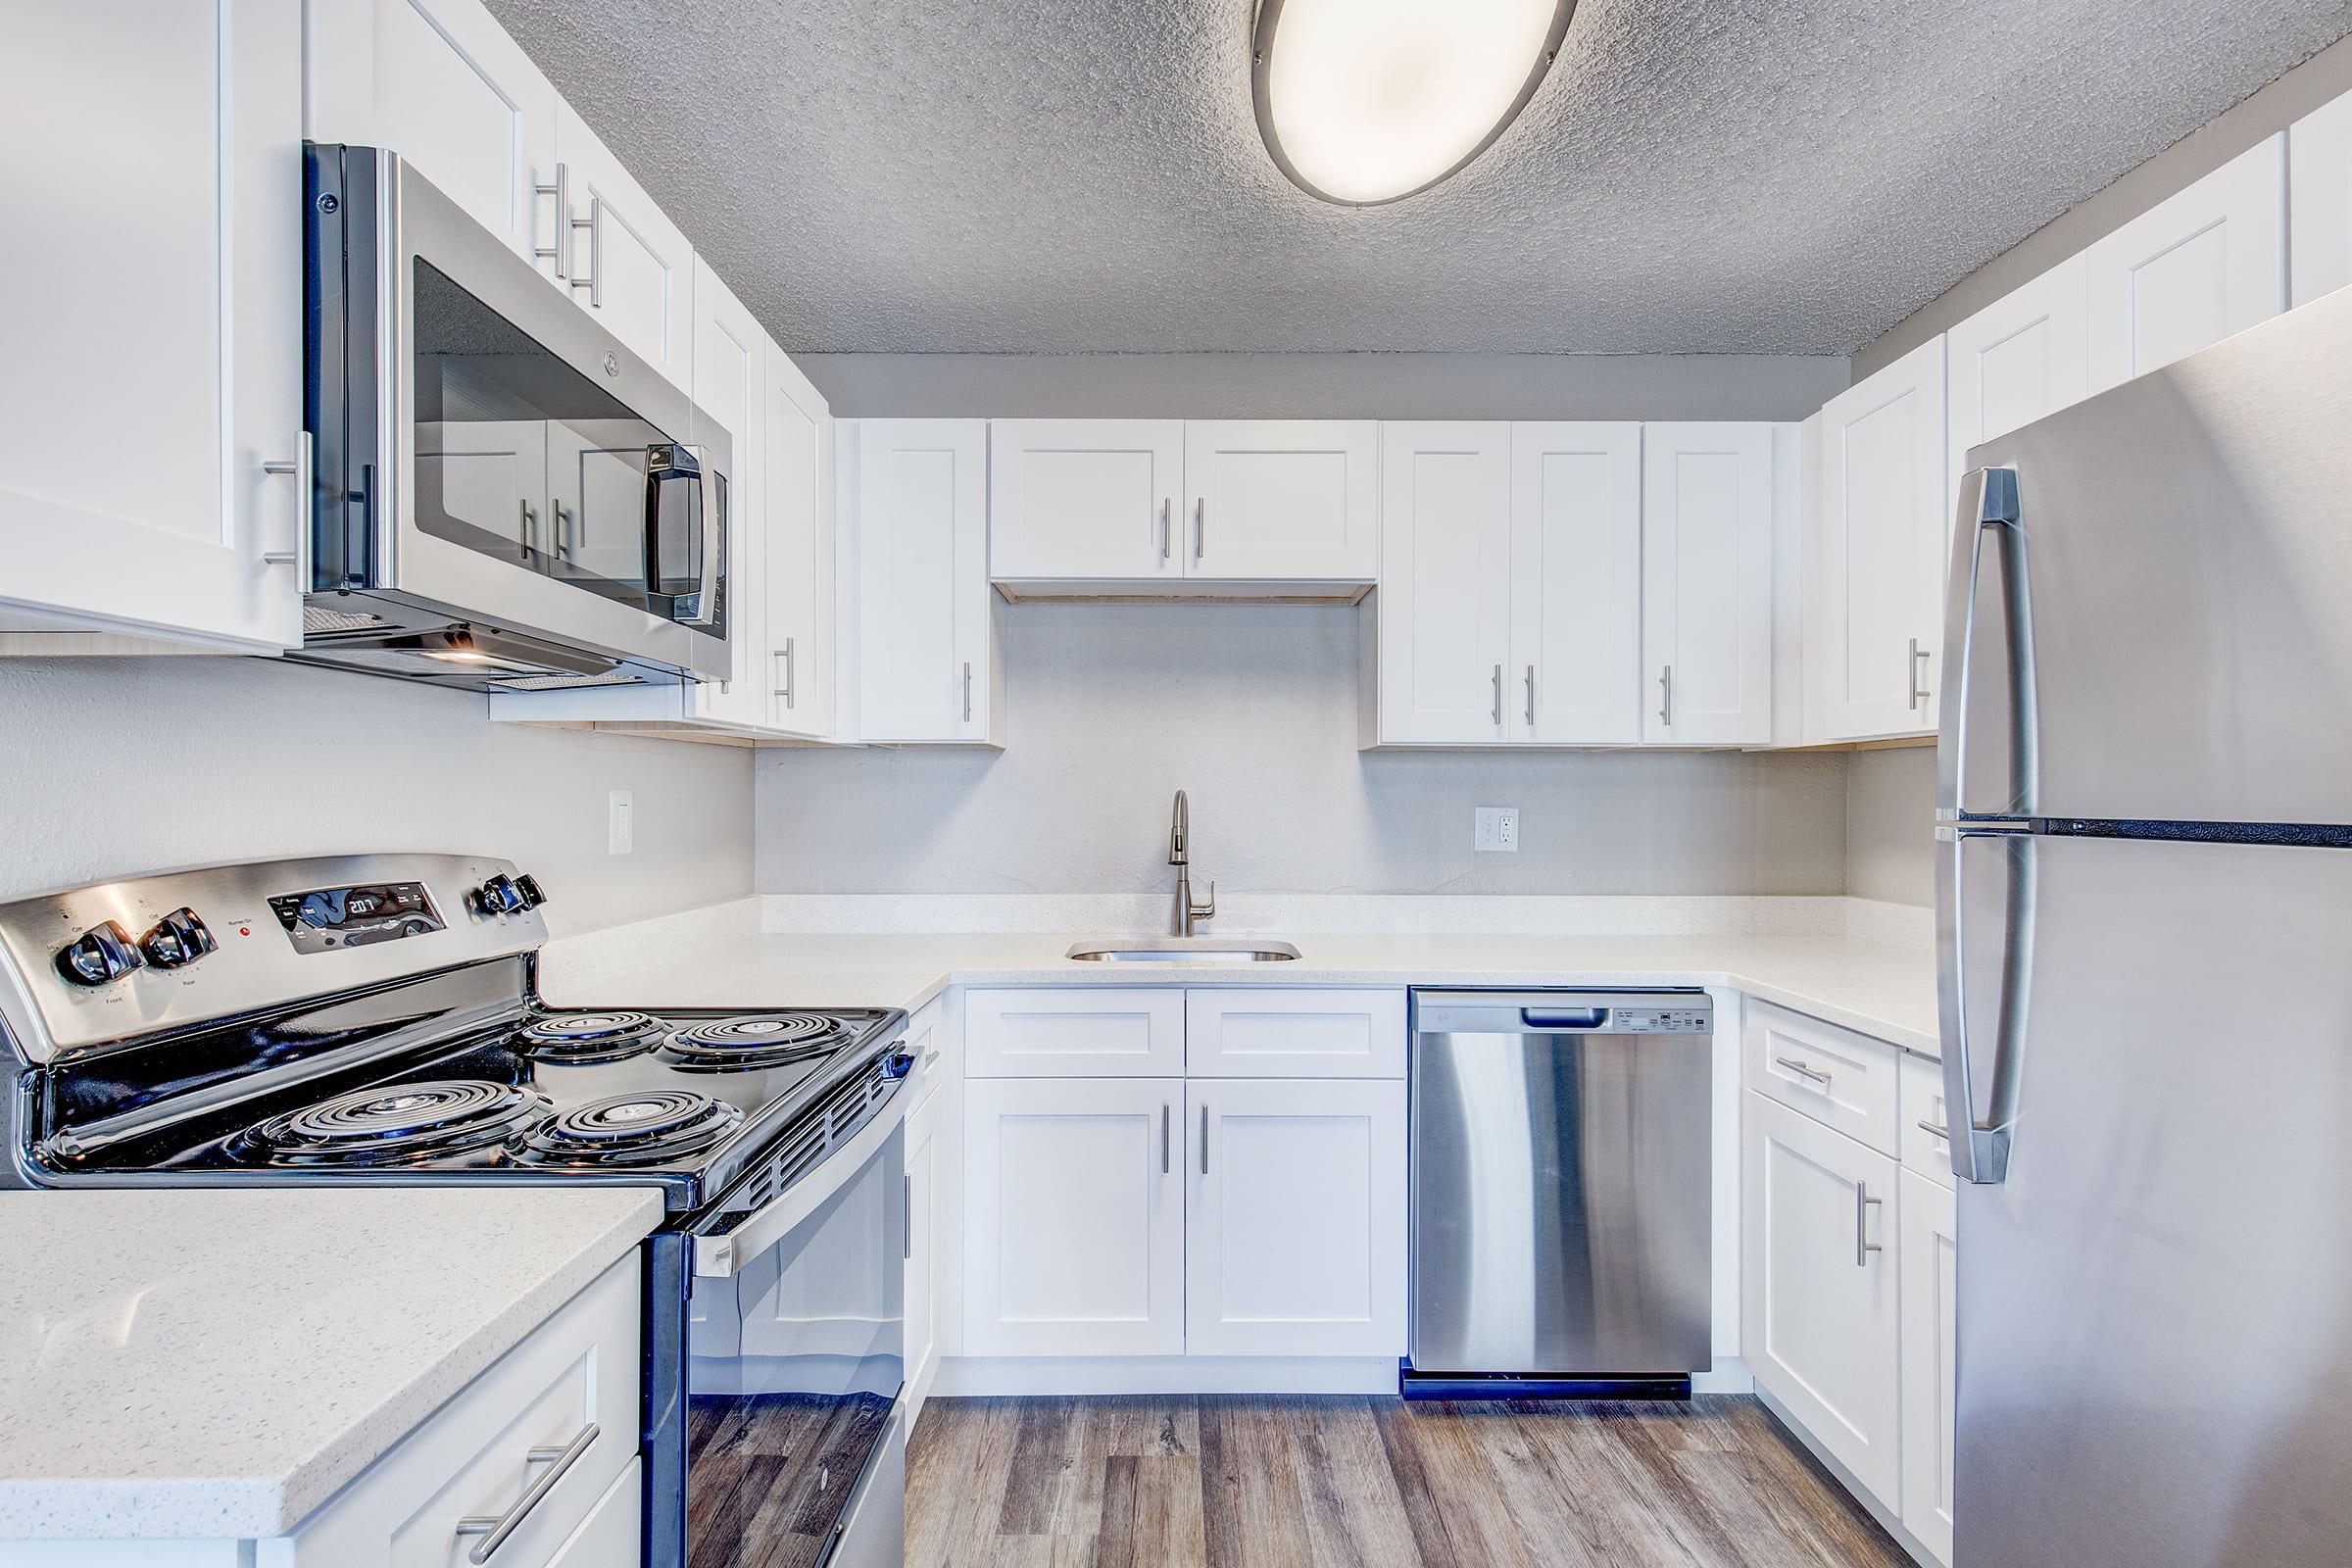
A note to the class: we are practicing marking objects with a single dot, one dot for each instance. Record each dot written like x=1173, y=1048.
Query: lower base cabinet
x=1928, y=1227
x=925, y=1148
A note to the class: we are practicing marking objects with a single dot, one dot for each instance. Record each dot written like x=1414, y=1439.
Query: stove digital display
x=331, y=918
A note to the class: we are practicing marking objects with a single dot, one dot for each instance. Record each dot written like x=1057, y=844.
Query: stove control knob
x=99, y=955
x=500, y=896
x=528, y=886
x=898, y=1065
x=179, y=939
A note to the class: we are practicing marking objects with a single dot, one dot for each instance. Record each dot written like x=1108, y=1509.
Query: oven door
x=794, y=1356
x=487, y=451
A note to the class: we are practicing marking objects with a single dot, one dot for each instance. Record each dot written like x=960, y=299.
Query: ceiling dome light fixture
x=1369, y=101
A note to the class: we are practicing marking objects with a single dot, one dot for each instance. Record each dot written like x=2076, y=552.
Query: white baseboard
x=1729, y=1375
x=969, y=1377
x=1872, y=1504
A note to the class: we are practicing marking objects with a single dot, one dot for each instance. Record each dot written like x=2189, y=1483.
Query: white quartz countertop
x=1881, y=988
x=210, y=1364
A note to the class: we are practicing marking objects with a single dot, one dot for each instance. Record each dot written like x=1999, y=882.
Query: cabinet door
x=151, y=354
x=1085, y=497
x=1295, y=1221
x=2319, y=201
x=796, y=651
x=1707, y=584
x=1821, y=1310
x=1445, y=596
x=1073, y=1032
x=1288, y=1031
x=729, y=386
x=2015, y=361
x=1074, y=1216
x=441, y=84
x=1874, y=548
x=1575, y=585
x=628, y=262
x=2191, y=269
x=1282, y=500
x=923, y=1273
x=611, y=1536
x=924, y=623
x=1931, y=1357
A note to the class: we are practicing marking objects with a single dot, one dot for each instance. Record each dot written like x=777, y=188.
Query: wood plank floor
x=1264, y=1481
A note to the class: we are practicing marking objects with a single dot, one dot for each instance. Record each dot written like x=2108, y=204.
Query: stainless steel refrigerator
x=2145, y=933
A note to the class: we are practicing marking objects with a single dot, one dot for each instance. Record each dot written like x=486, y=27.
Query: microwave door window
x=598, y=478
x=482, y=484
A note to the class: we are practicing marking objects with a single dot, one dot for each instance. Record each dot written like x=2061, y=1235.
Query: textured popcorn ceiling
x=1069, y=175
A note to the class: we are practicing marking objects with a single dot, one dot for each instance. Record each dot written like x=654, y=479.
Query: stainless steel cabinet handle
x=1666, y=695
x=1168, y=505
x=594, y=223
x=564, y=523
x=1530, y=697
x=907, y=1195
x=1201, y=528
x=559, y=252
x=530, y=526
x=494, y=1532
x=300, y=467
x=967, y=691
x=1937, y=1128
x=1803, y=1070
x=1863, y=1244
x=1497, y=694
x=791, y=665
x=1916, y=688
x=1165, y=1159
x=1205, y=1138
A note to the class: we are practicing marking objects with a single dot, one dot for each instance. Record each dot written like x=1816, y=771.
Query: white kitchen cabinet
x=439, y=82
x=1086, y=498
x=2015, y=361
x=926, y=1143
x=1876, y=557
x=1930, y=1251
x=1575, y=584
x=2195, y=267
x=151, y=432
x=1282, y=500
x=1286, y=1032
x=1295, y=1217
x=1075, y=1032
x=799, y=651
x=1440, y=620
x=729, y=386
x=1707, y=584
x=1844, y=1080
x=1820, y=1315
x=2319, y=201
x=927, y=617
x=623, y=258
x=1925, y=1139
x=1073, y=1207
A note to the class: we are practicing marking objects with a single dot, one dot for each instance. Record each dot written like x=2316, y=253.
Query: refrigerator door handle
x=1989, y=659
x=1983, y=943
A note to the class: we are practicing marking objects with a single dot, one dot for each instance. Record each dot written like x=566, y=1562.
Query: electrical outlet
x=620, y=835
x=1498, y=829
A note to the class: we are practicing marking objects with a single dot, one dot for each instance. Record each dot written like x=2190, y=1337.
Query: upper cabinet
x=2190, y=271
x=730, y=352
x=2015, y=361
x=1117, y=503
x=1707, y=583
x=163, y=321
x=1575, y=573
x=1874, y=556
x=1441, y=621
x=2319, y=162
x=798, y=645
x=621, y=255
x=915, y=498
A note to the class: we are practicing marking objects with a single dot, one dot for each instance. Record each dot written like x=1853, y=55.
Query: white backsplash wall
x=1890, y=825
x=114, y=766
x=1252, y=710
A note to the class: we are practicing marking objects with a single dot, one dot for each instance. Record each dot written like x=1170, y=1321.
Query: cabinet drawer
x=1924, y=1149
x=1264, y=1033
x=926, y=1042
x=471, y=1459
x=1835, y=1076
x=1089, y=1032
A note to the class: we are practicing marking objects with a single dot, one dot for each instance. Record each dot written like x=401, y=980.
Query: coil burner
x=763, y=1040
x=587, y=1036
x=394, y=1124
x=644, y=1127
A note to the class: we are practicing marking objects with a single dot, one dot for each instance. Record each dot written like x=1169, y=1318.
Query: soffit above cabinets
x=896, y=176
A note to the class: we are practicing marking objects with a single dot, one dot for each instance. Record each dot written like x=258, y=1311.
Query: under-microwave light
x=1368, y=101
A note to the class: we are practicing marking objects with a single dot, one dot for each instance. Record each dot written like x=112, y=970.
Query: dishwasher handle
x=1564, y=1017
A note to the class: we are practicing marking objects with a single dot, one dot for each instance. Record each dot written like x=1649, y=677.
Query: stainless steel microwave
x=504, y=496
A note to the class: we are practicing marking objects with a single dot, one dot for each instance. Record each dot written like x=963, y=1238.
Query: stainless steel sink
x=1184, y=949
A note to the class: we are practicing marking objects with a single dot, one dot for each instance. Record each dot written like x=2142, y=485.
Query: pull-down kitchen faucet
x=1188, y=913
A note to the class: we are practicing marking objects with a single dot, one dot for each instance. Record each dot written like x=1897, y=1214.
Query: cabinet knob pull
x=495, y=1531
x=1863, y=1244
x=1937, y=1129
x=1666, y=695
x=300, y=468
x=1168, y=505
x=1803, y=1070
x=1918, y=688
x=1497, y=696
x=1205, y=1138
x=594, y=223
x=967, y=691
x=1166, y=1112
x=559, y=252
x=1201, y=528
x=1530, y=697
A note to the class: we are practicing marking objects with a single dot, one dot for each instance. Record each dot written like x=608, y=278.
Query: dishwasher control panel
x=1444, y=1010
x=1660, y=1021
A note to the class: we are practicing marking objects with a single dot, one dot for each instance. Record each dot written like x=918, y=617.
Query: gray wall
x=1252, y=709
x=113, y=766
x=2325, y=76
x=1306, y=386
x=1890, y=825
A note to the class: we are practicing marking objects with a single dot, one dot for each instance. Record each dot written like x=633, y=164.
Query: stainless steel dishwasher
x=1561, y=1193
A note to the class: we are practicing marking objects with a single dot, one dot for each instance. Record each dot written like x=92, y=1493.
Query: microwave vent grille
x=564, y=683
x=319, y=621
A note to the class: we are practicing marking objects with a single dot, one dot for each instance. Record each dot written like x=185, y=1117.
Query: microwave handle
x=715, y=545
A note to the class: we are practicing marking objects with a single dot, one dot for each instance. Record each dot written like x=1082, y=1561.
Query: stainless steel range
x=376, y=1018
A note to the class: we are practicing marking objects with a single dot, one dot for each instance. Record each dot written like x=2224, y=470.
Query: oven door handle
x=722, y=1255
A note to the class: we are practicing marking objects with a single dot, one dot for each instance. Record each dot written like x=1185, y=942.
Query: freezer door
x=2155, y=1298
x=2180, y=562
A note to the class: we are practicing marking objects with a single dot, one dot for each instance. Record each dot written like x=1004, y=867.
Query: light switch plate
x=1498, y=829
x=622, y=825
